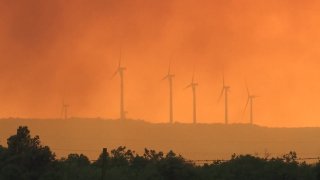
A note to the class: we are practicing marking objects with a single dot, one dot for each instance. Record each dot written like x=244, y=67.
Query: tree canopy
x=25, y=158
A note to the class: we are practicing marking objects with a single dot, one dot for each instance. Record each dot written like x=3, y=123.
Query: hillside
x=201, y=141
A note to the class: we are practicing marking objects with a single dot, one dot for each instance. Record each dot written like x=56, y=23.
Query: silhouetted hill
x=200, y=141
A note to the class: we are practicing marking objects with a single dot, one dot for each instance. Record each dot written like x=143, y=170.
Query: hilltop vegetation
x=200, y=141
x=25, y=158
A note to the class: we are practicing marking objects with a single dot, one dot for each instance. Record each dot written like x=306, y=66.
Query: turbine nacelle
x=226, y=88
x=64, y=105
x=169, y=76
x=252, y=97
x=119, y=70
x=193, y=85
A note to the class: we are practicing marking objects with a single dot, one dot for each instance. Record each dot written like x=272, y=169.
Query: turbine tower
x=64, y=110
x=193, y=85
x=120, y=71
x=170, y=76
x=250, y=100
x=225, y=90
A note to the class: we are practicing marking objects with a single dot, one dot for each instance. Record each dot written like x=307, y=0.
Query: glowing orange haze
x=51, y=49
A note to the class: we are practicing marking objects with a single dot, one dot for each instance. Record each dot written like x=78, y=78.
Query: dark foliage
x=26, y=159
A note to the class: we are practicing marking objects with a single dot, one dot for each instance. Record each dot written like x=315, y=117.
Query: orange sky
x=51, y=49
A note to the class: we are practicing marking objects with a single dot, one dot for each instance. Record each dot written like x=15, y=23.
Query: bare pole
x=103, y=165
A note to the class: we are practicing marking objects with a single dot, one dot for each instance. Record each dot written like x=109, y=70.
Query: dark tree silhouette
x=78, y=160
x=26, y=156
x=26, y=159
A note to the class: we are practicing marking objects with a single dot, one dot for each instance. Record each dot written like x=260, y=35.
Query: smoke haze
x=62, y=49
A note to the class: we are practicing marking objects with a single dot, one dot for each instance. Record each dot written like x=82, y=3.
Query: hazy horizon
x=207, y=122
x=195, y=142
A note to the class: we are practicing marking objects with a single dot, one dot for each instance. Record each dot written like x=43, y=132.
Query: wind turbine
x=193, y=85
x=64, y=110
x=225, y=90
x=250, y=100
x=120, y=71
x=170, y=76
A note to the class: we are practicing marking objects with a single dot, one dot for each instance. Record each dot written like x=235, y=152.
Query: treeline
x=25, y=158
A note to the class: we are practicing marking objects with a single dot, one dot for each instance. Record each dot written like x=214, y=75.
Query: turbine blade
x=222, y=91
x=223, y=83
x=248, y=92
x=119, y=65
x=166, y=77
x=245, y=107
x=188, y=86
x=169, y=69
x=193, y=74
x=115, y=73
